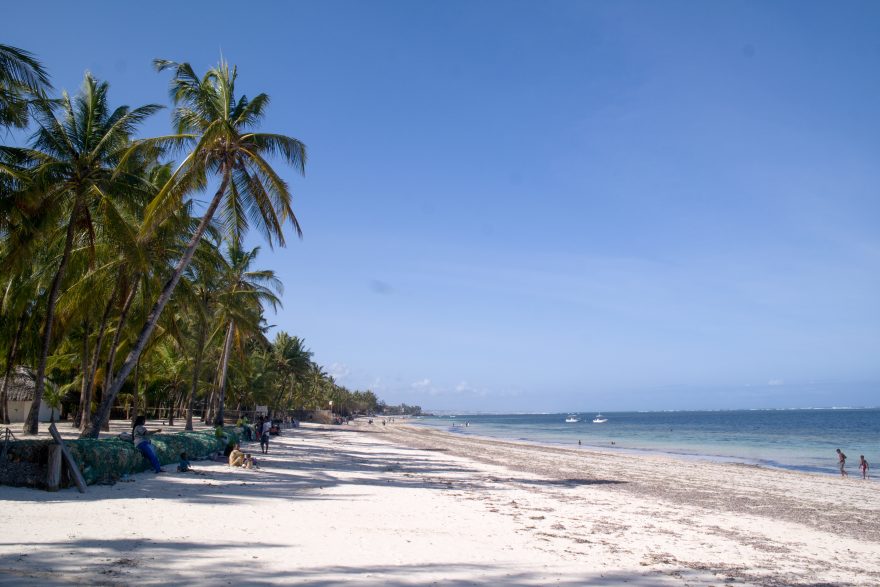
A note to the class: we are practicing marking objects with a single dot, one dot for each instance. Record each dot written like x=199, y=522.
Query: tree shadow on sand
x=125, y=562
x=298, y=469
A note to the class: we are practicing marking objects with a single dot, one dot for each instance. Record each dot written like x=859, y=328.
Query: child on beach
x=250, y=462
x=863, y=465
x=841, y=462
x=183, y=465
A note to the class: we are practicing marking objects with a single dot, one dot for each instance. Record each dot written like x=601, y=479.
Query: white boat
x=572, y=419
x=599, y=419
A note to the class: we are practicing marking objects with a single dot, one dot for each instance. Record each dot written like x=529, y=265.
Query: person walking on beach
x=264, y=437
x=863, y=465
x=841, y=462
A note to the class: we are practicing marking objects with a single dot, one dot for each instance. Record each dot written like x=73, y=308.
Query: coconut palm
x=203, y=288
x=246, y=290
x=77, y=147
x=291, y=360
x=218, y=130
x=166, y=368
x=17, y=318
x=21, y=77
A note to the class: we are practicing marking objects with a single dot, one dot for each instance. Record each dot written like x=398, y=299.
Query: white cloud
x=776, y=382
x=421, y=384
x=339, y=371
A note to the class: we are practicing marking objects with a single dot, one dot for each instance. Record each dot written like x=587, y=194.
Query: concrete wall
x=18, y=411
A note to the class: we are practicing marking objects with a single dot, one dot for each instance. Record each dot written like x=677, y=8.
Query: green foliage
x=96, y=222
x=22, y=78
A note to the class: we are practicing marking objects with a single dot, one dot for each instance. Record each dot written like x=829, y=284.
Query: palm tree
x=77, y=148
x=167, y=369
x=218, y=129
x=291, y=359
x=242, y=301
x=21, y=77
x=17, y=317
x=203, y=280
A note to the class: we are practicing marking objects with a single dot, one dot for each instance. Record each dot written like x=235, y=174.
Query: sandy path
x=403, y=507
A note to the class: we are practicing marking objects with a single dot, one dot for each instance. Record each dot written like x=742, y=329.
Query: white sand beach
x=395, y=505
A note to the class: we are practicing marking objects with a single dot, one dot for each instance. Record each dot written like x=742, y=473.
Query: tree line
x=115, y=284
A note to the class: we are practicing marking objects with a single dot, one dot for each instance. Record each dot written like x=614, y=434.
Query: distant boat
x=599, y=419
x=572, y=419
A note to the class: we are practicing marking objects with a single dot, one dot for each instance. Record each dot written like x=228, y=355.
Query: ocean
x=797, y=439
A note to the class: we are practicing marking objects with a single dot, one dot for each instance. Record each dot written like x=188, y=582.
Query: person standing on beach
x=863, y=465
x=264, y=437
x=841, y=462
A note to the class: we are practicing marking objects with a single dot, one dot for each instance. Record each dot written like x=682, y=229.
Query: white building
x=20, y=396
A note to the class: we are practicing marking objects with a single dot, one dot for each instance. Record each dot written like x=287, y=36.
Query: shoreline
x=651, y=478
x=648, y=452
x=796, y=440
x=400, y=506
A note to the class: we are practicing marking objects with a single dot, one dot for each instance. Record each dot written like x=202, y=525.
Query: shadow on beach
x=294, y=469
x=120, y=563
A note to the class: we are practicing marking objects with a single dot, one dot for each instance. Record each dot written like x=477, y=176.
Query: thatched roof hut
x=21, y=385
x=20, y=395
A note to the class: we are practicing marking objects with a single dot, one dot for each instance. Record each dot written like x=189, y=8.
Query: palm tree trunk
x=137, y=398
x=108, y=377
x=92, y=370
x=85, y=402
x=224, y=366
x=11, y=357
x=31, y=423
x=156, y=311
x=172, y=403
x=195, y=380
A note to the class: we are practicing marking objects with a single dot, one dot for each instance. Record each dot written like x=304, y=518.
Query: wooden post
x=53, y=475
x=71, y=464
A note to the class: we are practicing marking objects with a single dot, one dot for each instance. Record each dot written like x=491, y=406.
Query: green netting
x=108, y=459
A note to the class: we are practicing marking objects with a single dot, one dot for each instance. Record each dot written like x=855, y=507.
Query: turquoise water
x=803, y=440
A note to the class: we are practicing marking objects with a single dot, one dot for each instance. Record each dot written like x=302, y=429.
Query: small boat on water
x=572, y=419
x=599, y=419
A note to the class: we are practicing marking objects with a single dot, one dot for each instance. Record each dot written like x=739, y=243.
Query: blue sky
x=551, y=205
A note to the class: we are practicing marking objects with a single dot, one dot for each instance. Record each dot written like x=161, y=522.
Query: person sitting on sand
x=236, y=457
x=841, y=462
x=183, y=465
x=140, y=436
x=863, y=466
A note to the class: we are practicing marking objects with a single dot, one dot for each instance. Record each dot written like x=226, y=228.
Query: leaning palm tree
x=77, y=149
x=219, y=133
